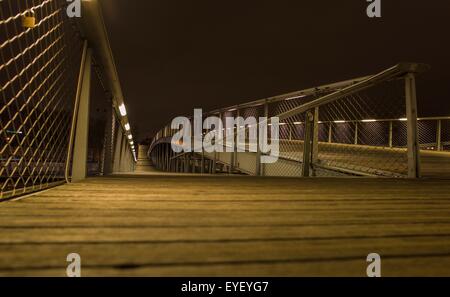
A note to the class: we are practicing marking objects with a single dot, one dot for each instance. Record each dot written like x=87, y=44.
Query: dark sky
x=173, y=56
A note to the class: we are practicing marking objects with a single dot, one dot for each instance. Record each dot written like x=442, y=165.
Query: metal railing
x=362, y=127
x=38, y=73
x=46, y=126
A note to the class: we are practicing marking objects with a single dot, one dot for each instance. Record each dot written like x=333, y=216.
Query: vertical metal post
x=356, y=133
x=123, y=155
x=411, y=115
x=233, y=158
x=168, y=158
x=164, y=158
x=390, y=133
x=117, y=149
x=203, y=161
x=315, y=144
x=258, y=147
x=215, y=151
x=75, y=112
x=307, y=145
x=80, y=151
x=214, y=167
x=330, y=132
x=266, y=116
x=439, y=135
x=157, y=156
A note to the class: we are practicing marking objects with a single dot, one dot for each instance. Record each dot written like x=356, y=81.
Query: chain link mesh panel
x=360, y=133
x=38, y=75
x=358, y=142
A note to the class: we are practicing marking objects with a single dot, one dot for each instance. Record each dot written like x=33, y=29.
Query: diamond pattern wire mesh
x=358, y=143
x=38, y=75
x=445, y=135
x=362, y=133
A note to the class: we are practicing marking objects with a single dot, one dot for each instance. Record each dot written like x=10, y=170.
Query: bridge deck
x=202, y=225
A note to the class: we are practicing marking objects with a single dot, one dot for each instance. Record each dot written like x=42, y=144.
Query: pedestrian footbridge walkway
x=65, y=136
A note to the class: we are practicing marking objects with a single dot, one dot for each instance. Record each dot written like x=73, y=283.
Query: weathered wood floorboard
x=204, y=225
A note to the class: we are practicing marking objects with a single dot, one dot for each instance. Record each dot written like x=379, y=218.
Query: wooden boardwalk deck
x=155, y=225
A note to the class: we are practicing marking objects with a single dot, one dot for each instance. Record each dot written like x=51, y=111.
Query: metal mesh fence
x=38, y=75
x=362, y=131
x=359, y=143
x=445, y=135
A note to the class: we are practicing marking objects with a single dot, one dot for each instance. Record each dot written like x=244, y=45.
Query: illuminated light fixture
x=339, y=122
x=282, y=124
x=368, y=121
x=320, y=122
x=127, y=127
x=298, y=123
x=296, y=97
x=123, y=110
x=403, y=119
x=130, y=136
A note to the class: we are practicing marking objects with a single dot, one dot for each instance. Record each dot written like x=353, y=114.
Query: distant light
x=14, y=132
x=298, y=123
x=296, y=97
x=123, y=110
x=130, y=136
x=127, y=127
x=403, y=119
x=368, y=121
x=339, y=122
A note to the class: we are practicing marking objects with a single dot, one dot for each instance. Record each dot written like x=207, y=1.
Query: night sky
x=173, y=56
